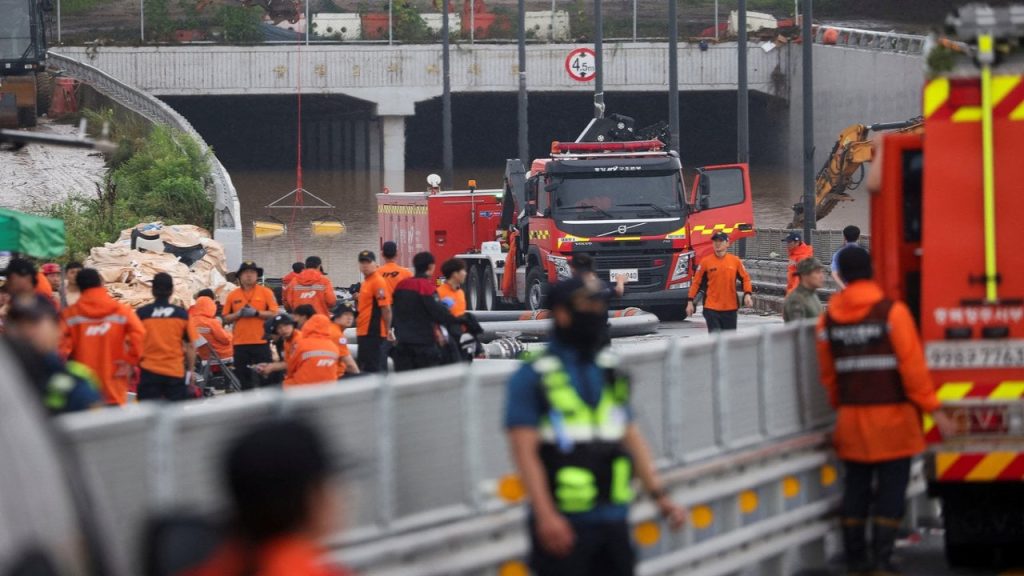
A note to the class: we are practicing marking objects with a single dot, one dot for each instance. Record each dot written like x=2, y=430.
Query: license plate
x=632, y=275
x=978, y=420
x=976, y=354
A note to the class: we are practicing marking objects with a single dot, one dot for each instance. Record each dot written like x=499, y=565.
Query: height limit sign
x=581, y=64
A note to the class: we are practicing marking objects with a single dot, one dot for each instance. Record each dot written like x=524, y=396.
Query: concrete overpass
x=852, y=84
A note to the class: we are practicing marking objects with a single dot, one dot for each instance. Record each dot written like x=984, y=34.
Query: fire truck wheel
x=536, y=288
x=472, y=288
x=488, y=295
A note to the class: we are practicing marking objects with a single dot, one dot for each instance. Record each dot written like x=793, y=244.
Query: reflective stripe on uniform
x=319, y=354
x=114, y=318
x=866, y=363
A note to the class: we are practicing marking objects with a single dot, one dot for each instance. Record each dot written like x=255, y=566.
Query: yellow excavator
x=844, y=170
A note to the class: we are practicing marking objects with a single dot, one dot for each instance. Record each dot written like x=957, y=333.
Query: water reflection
x=352, y=194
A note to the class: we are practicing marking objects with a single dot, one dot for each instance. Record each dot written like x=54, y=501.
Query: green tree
x=241, y=24
x=164, y=179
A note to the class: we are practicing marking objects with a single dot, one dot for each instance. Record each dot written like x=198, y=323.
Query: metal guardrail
x=767, y=244
x=227, y=211
x=871, y=40
x=427, y=447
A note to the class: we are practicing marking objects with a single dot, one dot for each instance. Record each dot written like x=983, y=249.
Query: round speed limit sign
x=581, y=64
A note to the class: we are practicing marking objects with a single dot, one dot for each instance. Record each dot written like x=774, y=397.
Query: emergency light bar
x=634, y=146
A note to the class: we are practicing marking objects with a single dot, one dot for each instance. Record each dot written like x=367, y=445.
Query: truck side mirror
x=703, y=192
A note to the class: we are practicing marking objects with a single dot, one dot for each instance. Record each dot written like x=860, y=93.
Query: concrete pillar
x=337, y=161
x=360, y=145
x=374, y=149
x=393, y=131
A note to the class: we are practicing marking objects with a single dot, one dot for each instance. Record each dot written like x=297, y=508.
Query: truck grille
x=652, y=277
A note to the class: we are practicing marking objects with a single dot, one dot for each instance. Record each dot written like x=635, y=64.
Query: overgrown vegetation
x=161, y=179
x=408, y=26
x=241, y=24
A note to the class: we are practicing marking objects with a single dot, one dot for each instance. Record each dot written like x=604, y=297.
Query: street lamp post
x=808, y=95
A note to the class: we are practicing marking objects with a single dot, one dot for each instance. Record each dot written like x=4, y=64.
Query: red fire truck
x=624, y=203
x=945, y=237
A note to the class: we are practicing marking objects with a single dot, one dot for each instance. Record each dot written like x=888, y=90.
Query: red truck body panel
x=440, y=223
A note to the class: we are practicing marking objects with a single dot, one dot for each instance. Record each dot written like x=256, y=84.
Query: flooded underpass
x=256, y=139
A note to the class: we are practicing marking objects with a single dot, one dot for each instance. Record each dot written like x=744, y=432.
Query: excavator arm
x=843, y=171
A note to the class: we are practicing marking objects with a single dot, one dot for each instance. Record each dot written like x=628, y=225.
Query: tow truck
x=945, y=224
x=612, y=194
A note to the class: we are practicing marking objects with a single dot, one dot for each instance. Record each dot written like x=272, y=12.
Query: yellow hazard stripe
x=949, y=391
x=936, y=93
x=1018, y=112
x=1010, y=390
x=990, y=466
x=401, y=209
x=707, y=231
x=943, y=461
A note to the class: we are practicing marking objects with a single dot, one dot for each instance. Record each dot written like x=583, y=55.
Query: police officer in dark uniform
x=576, y=446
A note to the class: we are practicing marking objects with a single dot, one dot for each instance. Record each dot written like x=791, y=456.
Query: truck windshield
x=15, y=30
x=616, y=196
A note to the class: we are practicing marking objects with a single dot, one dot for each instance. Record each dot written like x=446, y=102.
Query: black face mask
x=587, y=334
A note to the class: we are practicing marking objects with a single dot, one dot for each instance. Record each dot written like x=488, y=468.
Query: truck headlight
x=682, y=269
x=561, y=266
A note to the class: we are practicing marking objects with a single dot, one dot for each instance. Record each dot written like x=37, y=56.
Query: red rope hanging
x=297, y=247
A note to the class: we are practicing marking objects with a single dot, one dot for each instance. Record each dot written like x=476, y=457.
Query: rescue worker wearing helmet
x=575, y=444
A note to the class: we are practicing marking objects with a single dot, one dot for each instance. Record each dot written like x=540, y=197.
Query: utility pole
x=810, y=219
x=446, y=102
x=524, y=141
x=673, y=74
x=742, y=94
x=598, y=61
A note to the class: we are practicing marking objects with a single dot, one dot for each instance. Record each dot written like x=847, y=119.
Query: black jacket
x=418, y=312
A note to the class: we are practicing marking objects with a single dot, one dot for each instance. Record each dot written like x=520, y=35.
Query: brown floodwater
x=775, y=189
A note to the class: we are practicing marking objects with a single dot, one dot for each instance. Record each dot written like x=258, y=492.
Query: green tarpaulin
x=29, y=235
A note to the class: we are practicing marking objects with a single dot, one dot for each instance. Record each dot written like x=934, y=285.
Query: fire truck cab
x=945, y=238
x=623, y=203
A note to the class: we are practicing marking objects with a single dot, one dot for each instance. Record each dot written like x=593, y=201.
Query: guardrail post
x=385, y=453
x=473, y=463
x=764, y=365
x=161, y=460
x=672, y=415
x=718, y=395
x=804, y=379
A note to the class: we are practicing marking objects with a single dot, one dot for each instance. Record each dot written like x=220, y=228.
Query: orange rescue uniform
x=717, y=277
x=454, y=299
x=338, y=336
x=392, y=274
x=167, y=329
x=105, y=335
x=801, y=252
x=286, y=556
x=44, y=287
x=203, y=316
x=250, y=330
x=373, y=295
x=314, y=359
x=313, y=288
x=878, y=432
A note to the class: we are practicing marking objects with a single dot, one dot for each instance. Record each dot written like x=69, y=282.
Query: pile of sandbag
x=188, y=253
